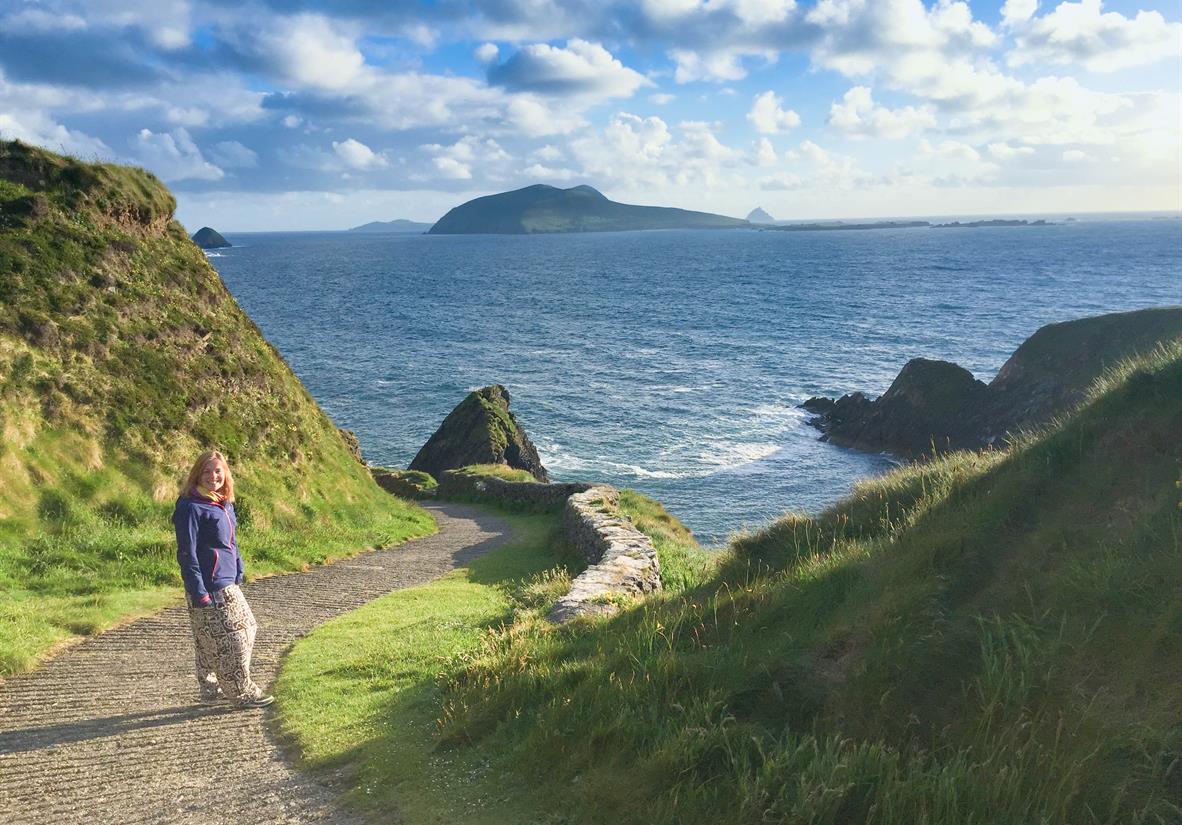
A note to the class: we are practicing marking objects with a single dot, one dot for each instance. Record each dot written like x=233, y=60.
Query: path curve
x=110, y=731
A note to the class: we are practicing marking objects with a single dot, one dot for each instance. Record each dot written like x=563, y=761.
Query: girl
x=207, y=552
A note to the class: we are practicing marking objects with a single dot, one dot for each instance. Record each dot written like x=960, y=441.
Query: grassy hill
x=122, y=356
x=986, y=639
x=542, y=208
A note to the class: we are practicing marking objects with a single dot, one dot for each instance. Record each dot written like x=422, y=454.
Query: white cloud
x=953, y=163
x=643, y=153
x=1017, y=11
x=486, y=53
x=856, y=115
x=547, y=153
x=230, y=154
x=452, y=169
x=768, y=117
x=765, y=153
x=456, y=161
x=581, y=68
x=356, y=155
x=662, y=98
x=1075, y=156
x=718, y=66
x=39, y=129
x=309, y=51
x=541, y=172
x=1083, y=34
x=1003, y=151
x=174, y=156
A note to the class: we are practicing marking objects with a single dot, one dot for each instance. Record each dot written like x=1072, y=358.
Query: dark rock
x=353, y=443
x=818, y=404
x=207, y=238
x=481, y=430
x=937, y=405
x=923, y=407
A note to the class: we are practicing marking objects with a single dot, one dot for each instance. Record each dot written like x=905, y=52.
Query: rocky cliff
x=937, y=405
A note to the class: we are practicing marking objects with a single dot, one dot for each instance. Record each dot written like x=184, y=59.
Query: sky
x=300, y=114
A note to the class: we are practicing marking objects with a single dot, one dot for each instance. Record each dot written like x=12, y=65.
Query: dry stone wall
x=517, y=493
x=623, y=560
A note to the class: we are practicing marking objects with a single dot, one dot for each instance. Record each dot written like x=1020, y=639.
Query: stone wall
x=623, y=560
x=513, y=493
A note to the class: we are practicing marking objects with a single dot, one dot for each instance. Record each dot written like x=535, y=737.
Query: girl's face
x=213, y=475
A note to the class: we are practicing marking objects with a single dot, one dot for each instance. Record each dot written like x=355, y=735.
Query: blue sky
x=297, y=114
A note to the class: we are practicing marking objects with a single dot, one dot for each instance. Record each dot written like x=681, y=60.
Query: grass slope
x=122, y=356
x=986, y=638
x=362, y=694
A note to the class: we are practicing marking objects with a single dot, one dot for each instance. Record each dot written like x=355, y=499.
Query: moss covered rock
x=481, y=430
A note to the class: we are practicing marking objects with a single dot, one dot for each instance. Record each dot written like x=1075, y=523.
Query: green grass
x=501, y=471
x=361, y=693
x=984, y=638
x=123, y=356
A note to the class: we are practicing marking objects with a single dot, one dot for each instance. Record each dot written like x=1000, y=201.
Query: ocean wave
x=209, y=254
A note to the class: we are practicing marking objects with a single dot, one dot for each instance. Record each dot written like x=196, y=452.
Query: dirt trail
x=111, y=731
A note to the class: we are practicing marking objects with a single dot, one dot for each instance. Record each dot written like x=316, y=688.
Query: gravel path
x=111, y=731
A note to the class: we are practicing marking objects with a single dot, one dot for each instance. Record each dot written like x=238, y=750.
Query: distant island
x=207, y=238
x=825, y=227
x=760, y=216
x=401, y=225
x=541, y=208
x=837, y=225
x=995, y=222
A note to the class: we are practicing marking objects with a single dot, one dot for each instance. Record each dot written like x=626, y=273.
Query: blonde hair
x=194, y=476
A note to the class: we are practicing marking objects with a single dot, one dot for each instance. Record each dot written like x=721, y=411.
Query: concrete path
x=110, y=731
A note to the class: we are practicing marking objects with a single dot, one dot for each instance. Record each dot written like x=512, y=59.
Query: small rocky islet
x=208, y=238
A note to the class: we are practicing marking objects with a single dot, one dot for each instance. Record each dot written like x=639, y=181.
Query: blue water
x=672, y=362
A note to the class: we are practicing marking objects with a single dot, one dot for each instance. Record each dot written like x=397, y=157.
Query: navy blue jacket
x=206, y=546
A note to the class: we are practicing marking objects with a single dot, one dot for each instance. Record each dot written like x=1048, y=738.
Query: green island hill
x=986, y=638
x=399, y=226
x=123, y=356
x=542, y=208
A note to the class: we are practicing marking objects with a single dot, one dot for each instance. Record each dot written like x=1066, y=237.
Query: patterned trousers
x=223, y=634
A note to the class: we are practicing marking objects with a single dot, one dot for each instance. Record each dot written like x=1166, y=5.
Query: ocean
x=673, y=362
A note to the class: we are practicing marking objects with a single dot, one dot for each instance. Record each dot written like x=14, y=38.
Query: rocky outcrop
x=528, y=494
x=207, y=238
x=352, y=443
x=623, y=560
x=481, y=430
x=937, y=405
x=410, y=484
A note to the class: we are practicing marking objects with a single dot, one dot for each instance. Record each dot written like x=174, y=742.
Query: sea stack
x=481, y=430
x=207, y=238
